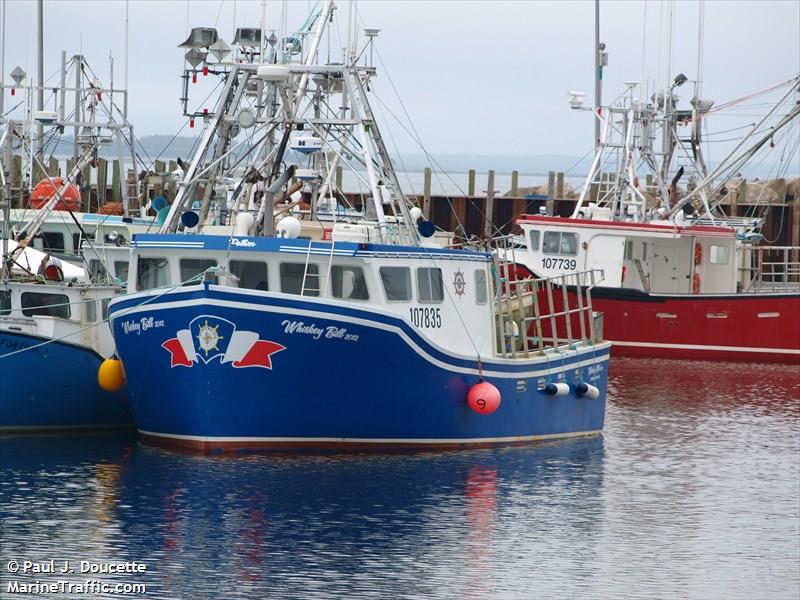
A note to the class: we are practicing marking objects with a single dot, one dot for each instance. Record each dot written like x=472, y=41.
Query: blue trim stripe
x=326, y=309
x=267, y=244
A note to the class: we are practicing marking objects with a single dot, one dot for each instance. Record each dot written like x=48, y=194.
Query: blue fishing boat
x=53, y=333
x=245, y=328
x=384, y=354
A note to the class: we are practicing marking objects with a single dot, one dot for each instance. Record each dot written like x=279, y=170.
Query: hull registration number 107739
x=569, y=264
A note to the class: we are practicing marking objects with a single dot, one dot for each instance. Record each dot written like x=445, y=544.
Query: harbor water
x=693, y=491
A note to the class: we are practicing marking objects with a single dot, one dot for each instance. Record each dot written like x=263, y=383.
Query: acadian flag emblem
x=210, y=337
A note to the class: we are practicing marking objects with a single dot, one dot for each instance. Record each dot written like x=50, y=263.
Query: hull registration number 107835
x=426, y=317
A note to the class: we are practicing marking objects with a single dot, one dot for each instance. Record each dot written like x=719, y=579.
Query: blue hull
x=344, y=376
x=54, y=387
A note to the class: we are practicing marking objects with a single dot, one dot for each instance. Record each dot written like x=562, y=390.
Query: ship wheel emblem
x=459, y=283
x=208, y=337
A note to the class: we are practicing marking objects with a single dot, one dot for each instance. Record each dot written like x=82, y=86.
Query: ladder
x=318, y=291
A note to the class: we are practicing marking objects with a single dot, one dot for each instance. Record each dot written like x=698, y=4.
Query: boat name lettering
x=331, y=332
x=141, y=325
x=15, y=345
x=560, y=263
x=242, y=243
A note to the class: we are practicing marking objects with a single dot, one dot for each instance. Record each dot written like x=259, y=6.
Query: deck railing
x=769, y=269
x=535, y=315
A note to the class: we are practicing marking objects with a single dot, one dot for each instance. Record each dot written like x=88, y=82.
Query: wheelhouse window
x=48, y=305
x=121, y=269
x=719, y=255
x=628, y=250
x=533, y=240
x=151, y=273
x=192, y=267
x=5, y=302
x=560, y=242
x=89, y=311
x=97, y=271
x=481, y=295
x=77, y=240
x=251, y=275
x=396, y=283
x=349, y=283
x=52, y=241
x=429, y=284
x=292, y=279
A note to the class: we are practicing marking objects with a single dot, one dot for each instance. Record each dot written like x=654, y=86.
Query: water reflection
x=296, y=525
x=693, y=492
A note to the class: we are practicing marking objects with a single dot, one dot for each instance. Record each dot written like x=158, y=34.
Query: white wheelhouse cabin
x=649, y=257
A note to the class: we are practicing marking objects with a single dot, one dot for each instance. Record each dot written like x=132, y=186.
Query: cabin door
x=665, y=271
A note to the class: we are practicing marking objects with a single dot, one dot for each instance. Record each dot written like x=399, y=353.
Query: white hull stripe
x=337, y=440
x=319, y=251
x=144, y=244
x=702, y=347
x=593, y=360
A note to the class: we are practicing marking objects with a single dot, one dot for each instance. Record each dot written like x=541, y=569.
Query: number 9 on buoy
x=483, y=398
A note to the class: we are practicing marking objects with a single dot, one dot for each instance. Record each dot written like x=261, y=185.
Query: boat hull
x=54, y=387
x=741, y=327
x=327, y=374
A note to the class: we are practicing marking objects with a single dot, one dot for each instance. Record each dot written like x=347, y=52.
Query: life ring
x=698, y=253
x=696, y=283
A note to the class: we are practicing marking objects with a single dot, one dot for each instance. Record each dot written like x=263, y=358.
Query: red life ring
x=698, y=253
x=696, y=283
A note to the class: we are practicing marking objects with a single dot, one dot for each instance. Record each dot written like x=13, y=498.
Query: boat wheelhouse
x=692, y=291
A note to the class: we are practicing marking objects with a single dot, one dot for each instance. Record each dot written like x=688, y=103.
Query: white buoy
x=288, y=227
x=244, y=224
x=587, y=390
x=556, y=389
x=416, y=213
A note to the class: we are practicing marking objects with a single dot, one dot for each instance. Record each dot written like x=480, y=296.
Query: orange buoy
x=698, y=253
x=696, y=283
x=45, y=190
x=110, y=375
x=483, y=398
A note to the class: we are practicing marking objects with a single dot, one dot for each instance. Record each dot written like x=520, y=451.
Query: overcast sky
x=477, y=77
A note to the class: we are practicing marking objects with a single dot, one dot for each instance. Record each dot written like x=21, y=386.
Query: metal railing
x=768, y=268
x=535, y=315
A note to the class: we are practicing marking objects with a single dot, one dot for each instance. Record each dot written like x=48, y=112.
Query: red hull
x=742, y=327
x=763, y=328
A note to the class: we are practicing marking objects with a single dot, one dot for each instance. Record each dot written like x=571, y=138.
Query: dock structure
x=468, y=216
x=98, y=194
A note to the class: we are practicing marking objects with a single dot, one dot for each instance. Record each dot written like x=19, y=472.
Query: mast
x=2, y=55
x=600, y=59
x=40, y=77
